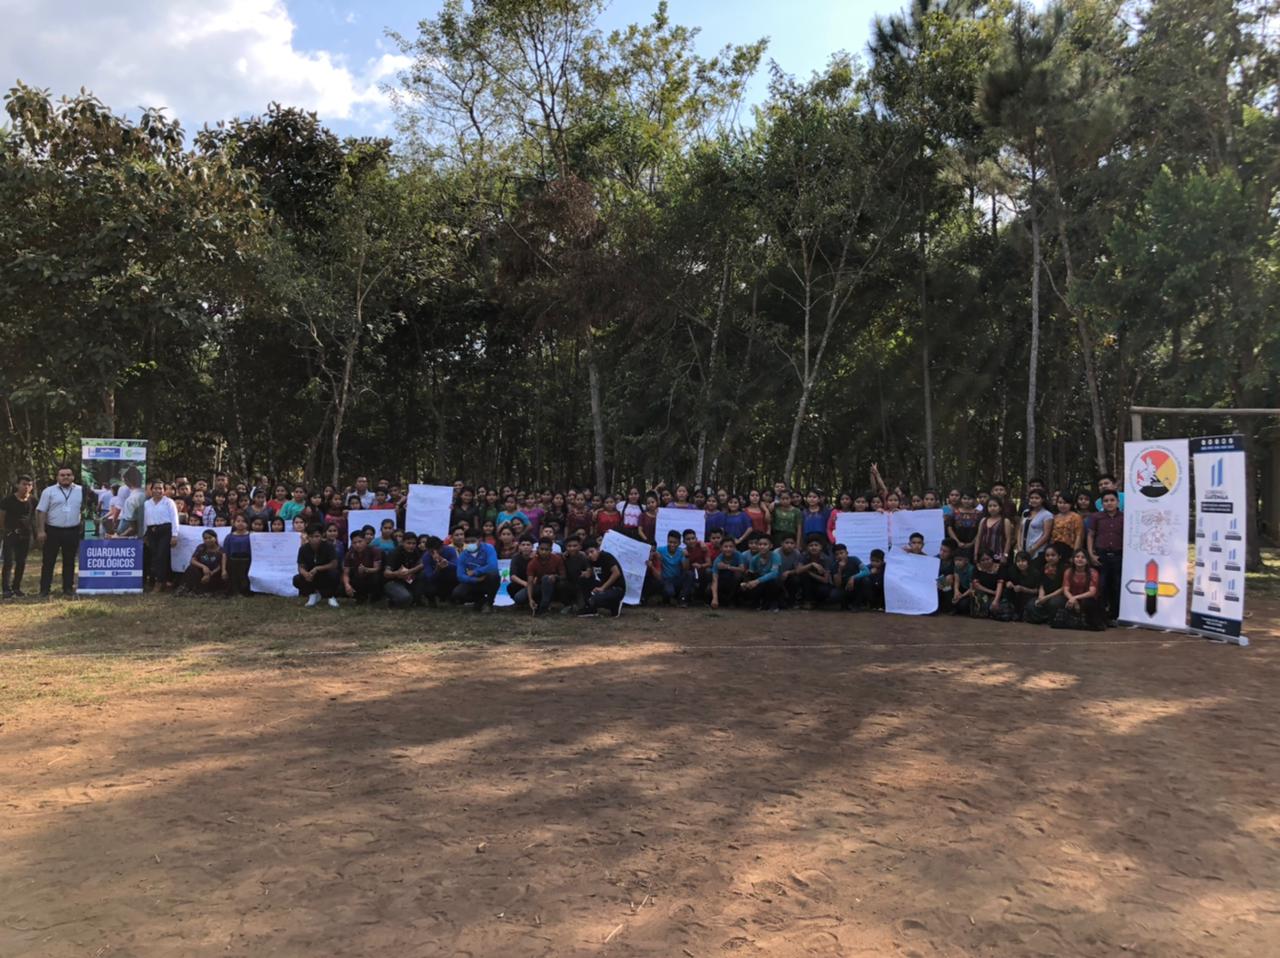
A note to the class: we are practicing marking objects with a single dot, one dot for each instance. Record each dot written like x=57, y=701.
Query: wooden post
x=1135, y=426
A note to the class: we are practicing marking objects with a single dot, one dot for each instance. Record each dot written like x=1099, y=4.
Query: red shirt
x=1108, y=531
x=1078, y=583
x=553, y=565
x=607, y=521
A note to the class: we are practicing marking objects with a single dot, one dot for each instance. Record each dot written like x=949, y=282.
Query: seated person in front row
x=362, y=570
x=204, y=574
x=317, y=569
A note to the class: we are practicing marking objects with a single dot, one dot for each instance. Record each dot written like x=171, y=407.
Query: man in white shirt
x=364, y=492
x=58, y=526
x=160, y=535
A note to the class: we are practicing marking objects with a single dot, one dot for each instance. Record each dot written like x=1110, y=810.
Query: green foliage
x=582, y=261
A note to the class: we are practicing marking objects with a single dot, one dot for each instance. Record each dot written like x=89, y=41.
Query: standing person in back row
x=160, y=524
x=58, y=529
x=18, y=507
x=1104, y=532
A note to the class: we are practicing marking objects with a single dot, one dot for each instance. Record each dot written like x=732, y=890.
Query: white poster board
x=678, y=520
x=633, y=556
x=1157, y=504
x=189, y=538
x=427, y=511
x=357, y=519
x=928, y=522
x=1222, y=530
x=860, y=532
x=274, y=563
x=910, y=583
x=503, y=598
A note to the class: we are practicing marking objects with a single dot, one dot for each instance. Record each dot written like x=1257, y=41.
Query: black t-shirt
x=603, y=567
x=575, y=565
x=520, y=567
x=17, y=512
x=323, y=554
x=468, y=514
x=989, y=580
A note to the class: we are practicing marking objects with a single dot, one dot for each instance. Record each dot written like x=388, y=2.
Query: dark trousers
x=401, y=594
x=762, y=596
x=608, y=600
x=193, y=579
x=814, y=590
x=1112, y=564
x=679, y=587
x=238, y=575
x=155, y=553
x=444, y=582
x=367, y=587
x=481, y=591
x=870, y=592
x=325, y=583
x=727, y=585
x=16, y=545
x=67, y=542
x=545, y=591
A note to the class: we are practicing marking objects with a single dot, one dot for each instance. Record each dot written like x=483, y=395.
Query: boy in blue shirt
x=676, y=579
x=727, y=572
x=764, y=569
x=477, y=573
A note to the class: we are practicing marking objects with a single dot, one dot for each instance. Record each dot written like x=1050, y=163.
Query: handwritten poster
x=275, y=562
x=860, y=532
x=910, y=583
x=633, y=556
x=427, y=511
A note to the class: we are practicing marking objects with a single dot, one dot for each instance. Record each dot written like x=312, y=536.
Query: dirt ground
x=675, y=783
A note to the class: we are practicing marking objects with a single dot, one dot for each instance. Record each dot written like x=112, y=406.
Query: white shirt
x=159, y=513
x=366, y=499
x=61, y=507
x=104, y=500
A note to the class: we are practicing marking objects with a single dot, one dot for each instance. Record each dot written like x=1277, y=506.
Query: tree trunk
x=1034, y=360
x=930, y=477
x=795, y=430
x=107, y=418
x=597, y=414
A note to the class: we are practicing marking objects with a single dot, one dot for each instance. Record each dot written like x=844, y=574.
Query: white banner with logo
x=1157, y=505
x=1217, y=595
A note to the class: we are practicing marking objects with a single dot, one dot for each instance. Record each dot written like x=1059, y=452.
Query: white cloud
x=202, y=60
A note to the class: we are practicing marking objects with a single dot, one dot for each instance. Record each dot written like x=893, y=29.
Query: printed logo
x=1155, y=472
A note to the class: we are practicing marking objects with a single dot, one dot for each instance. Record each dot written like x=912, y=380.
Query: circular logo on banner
x=1155, y=473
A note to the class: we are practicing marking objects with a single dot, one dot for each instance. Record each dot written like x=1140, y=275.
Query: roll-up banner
x=1217, y=596
x=1157, y=504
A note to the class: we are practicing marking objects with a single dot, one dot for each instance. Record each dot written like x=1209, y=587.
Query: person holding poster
x=478, y=578
x=204, y=573
x=606, y=590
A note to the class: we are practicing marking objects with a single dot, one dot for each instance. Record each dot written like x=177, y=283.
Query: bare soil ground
x=189, y=778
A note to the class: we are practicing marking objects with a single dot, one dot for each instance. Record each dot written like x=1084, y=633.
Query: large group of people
x=1052, y=557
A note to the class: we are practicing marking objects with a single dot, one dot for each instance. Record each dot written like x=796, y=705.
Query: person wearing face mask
x=477, y=573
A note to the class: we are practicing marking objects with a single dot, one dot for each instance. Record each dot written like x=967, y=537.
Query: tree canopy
x=962, y=252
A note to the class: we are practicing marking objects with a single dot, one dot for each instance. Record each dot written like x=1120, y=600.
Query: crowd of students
x=1054, y=557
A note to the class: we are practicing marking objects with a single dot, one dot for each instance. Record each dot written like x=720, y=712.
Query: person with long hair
x=1081, y=590
x=995, y=532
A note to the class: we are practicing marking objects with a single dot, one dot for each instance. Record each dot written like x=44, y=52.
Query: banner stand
x=1221, y=531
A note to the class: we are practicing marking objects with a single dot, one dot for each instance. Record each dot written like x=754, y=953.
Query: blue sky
x=210, y=59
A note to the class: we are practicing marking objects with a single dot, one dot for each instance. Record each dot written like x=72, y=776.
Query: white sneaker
x=333, y=603
x=313, y=599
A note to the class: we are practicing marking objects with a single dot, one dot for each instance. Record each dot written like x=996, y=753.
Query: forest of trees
x=962, y=252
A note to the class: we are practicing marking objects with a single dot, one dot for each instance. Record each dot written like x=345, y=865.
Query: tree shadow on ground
x=919, y=788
